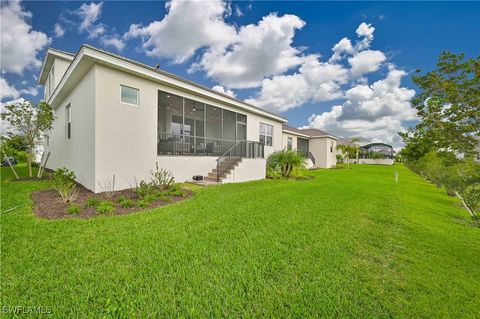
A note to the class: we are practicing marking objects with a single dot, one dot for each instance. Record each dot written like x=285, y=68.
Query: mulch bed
x=48, y=204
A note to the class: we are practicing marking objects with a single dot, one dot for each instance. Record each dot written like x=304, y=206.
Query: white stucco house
x=317, y=146
x=116, y=116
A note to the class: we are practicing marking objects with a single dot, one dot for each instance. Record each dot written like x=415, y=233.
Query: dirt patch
x=48, y=204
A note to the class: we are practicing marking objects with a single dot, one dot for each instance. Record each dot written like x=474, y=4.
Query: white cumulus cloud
x=89, y=14
x=375, y=112
x=58, y=30
x=221, y=89
x=113, y=41
x=187, y=27
x=10, y=91
x=257, y=51
x=20, y=43
x=315, y=81
x=366, y=61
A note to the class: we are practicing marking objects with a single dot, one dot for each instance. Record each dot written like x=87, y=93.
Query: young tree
x=32, y=120
x=448, y=107
x=350, y=149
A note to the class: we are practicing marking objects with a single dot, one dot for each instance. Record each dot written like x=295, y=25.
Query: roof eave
x=101, y=56
x=295, y=133
x=52, y=52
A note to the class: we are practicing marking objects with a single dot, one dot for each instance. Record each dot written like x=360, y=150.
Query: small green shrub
x=63, y=181
x=175, y=190
x=161, y=177
x=142, y=204
x=125, y=202
x=144, y=189
x=177, y=193
x=105, y=207
x=150, y=198
x=272, y=173
x=73, y=209
x=92, y=202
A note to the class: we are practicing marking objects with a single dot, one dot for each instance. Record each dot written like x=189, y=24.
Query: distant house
x=318, y=147
x=369, y=153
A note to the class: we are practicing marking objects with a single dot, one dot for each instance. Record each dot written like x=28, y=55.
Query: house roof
x=91, y=53
x=345, y=141
x=311, y=132
x=48, y=60
x=375, y=144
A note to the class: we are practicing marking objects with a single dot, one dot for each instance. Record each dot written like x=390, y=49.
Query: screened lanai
x=376, y=151
x=189, y=127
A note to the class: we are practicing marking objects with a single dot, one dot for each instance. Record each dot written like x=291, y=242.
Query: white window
x=68, y=120
x=266, y=134
x=129, y=95
x=289, y=143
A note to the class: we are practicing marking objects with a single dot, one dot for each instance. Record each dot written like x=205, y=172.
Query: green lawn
x=349, y=243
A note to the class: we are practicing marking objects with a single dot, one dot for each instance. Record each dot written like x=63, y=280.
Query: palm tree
x=285, y=161
x=349, y=149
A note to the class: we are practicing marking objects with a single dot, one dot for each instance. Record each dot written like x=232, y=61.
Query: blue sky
x=277, y=55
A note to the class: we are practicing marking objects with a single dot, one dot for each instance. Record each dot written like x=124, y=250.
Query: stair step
x=211, y=179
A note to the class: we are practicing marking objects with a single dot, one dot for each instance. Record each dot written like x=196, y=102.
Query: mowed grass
x=349, y=243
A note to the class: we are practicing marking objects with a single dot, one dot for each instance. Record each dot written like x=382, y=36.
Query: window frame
x=130, y=87
x=289, y=143
x=68, y=120
x=265, y=135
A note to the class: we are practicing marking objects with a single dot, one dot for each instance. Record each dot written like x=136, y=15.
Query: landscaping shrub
x=105, y=207
x=142, y=203
x=73, y=209
x=161, y=177
x=144, y=189
x=127, y=203
x=150, y=198
x=63, y=181
x=460, y=178
x=339, y=159
x=176, y=190
x=284, y=162
x=92, y=202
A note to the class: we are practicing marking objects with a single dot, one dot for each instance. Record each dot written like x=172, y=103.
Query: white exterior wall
x=285, y=137
x=380, y=161
x=126, y=135
x=249, y=169
x=78, y=152
x=320, y=148
x=61, y=67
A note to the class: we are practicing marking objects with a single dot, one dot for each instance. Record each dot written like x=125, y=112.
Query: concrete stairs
x=226, y=166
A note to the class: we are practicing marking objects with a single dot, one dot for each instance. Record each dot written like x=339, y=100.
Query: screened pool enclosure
x=376, y=151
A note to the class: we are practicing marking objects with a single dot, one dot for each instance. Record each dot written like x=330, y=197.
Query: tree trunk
x=348, y=162
x=468, y=208
x=29, y=161
x=11, y=167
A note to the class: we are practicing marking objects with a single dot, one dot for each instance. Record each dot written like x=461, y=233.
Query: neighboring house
x=115, y=116
x=376, y=153
x=369, y=153
x=317, y=146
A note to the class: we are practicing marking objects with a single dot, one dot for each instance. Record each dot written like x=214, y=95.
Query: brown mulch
x=48, y=204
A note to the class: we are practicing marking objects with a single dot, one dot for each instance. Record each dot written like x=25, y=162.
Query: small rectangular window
x=266, y=134
x=289, y=143
x=129, y=95
x=68, y=119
